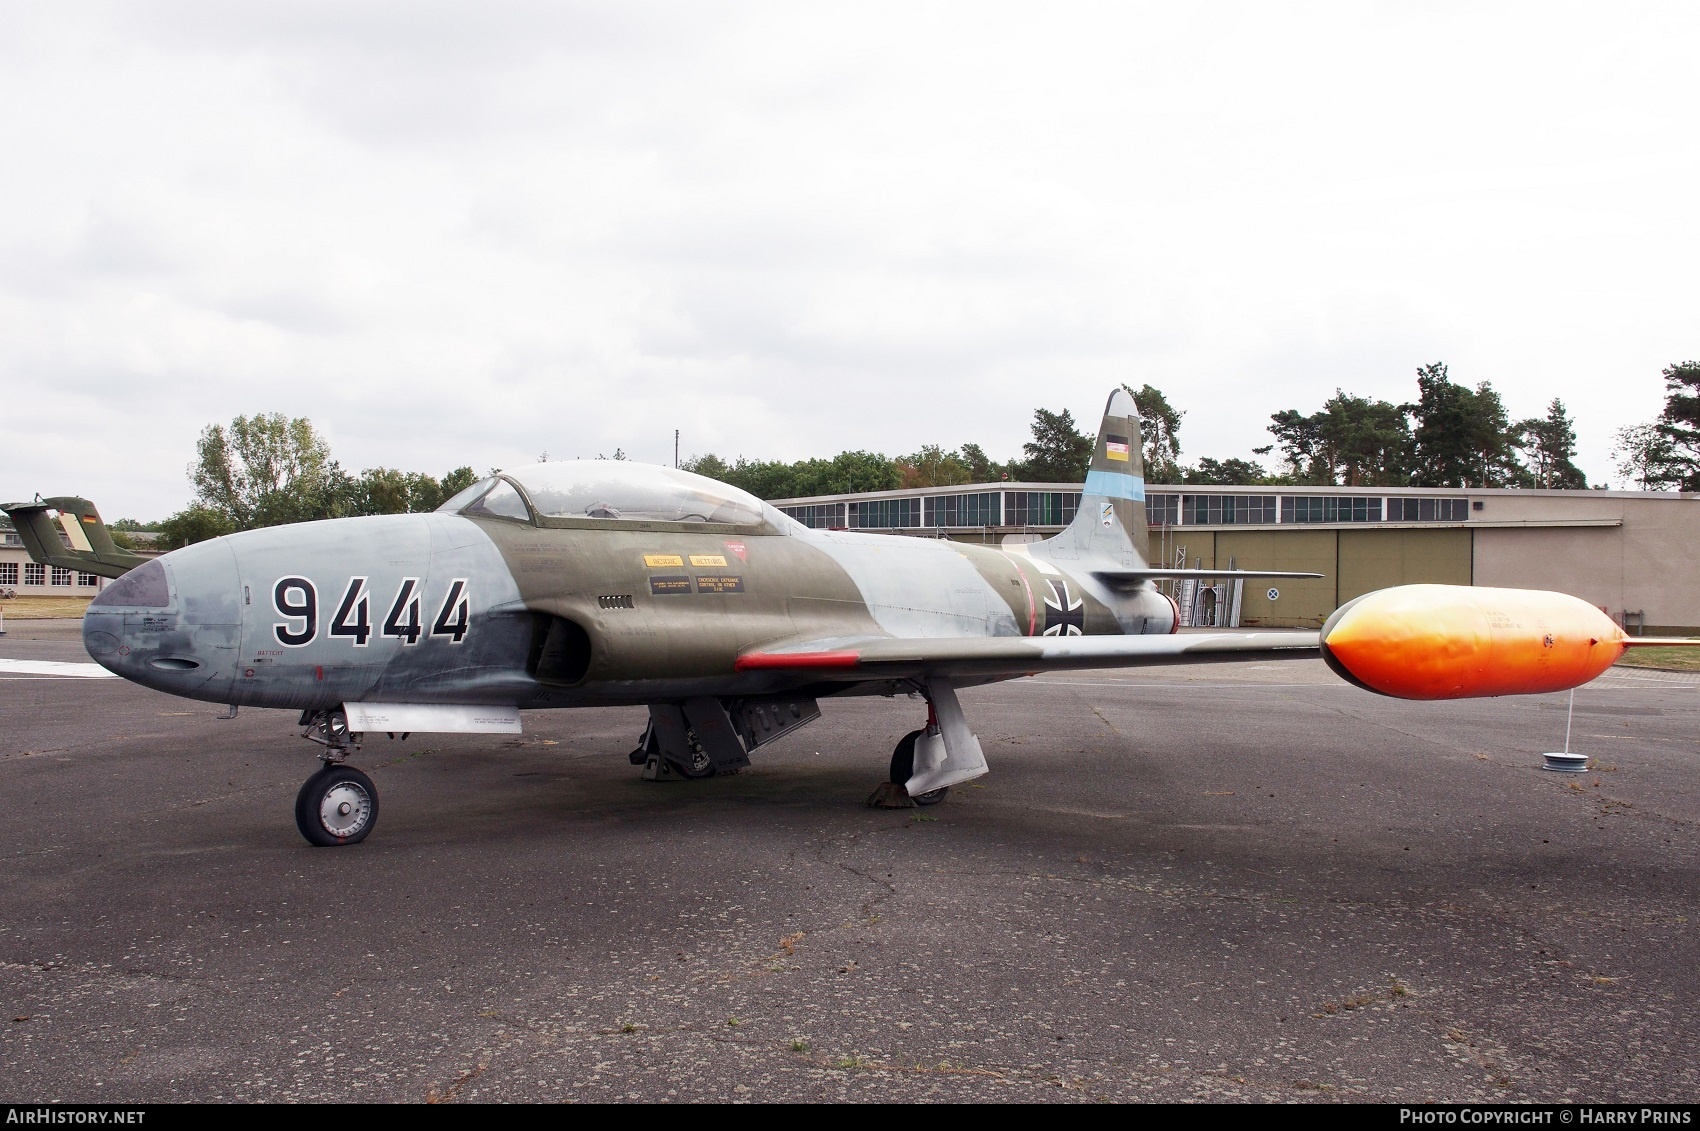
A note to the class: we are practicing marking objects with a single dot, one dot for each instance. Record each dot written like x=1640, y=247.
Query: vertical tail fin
x=1110, y=525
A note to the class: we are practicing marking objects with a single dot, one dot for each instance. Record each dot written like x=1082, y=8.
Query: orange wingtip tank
x=1460, y=642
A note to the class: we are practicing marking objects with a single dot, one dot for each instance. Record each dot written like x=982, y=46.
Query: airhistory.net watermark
x=52, y=1116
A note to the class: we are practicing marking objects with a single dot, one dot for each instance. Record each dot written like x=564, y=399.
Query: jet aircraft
x=596, y=583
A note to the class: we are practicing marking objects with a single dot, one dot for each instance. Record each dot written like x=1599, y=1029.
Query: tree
x=1352, y=441
x=194, y=523
x=380, y=490
x=266, y=470
x=849, y=472
x=765, y=479
x=1233, y=472
x=981, y=469
x=845, y=473
x=1644, y=456
x=932, y=466
x=448, y=487
x=1550, y=445
x=1059, y=452
x=1159, y=429
x=1679, y=424
x=710, y=466
x=261, y=471
x=1463, y=437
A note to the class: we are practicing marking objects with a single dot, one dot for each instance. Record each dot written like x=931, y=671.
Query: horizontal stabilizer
x=1133, y=578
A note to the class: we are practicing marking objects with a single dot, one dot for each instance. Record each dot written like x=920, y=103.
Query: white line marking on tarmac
x=54, y=668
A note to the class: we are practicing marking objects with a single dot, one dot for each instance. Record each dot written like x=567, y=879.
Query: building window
x=61, y=575
x=1040, y=508
x=87, y=580
x=983, y=509
x=1227, y=510
x=1428, y=510
x=1162, y=510
x=818, y=516
x=8, y=573
x=885, y=514
x=1321, y=508
x=12, y=539
x=35, y=573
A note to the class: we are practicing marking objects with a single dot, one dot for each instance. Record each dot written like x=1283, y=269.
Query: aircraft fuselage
x=445, y=608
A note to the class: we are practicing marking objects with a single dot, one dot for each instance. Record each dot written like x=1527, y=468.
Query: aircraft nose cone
x=172, y=624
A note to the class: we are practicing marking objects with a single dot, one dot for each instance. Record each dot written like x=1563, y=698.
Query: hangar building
x=1629, y=552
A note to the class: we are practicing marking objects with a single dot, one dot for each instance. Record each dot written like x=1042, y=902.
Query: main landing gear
x=903, y=768
x=339, y=804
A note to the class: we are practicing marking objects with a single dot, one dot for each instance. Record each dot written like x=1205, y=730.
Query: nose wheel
x=337, y=805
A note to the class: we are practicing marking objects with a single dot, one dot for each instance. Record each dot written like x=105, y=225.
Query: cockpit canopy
x=611, y=490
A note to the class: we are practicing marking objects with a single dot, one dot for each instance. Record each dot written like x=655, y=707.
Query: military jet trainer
x=598, y=583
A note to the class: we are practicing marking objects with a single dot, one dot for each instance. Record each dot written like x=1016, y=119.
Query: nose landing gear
x=339, y=804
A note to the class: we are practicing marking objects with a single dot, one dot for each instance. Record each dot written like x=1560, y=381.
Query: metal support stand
x=1566, y=763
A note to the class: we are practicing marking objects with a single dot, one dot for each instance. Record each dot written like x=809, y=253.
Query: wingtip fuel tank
x=1464, y=642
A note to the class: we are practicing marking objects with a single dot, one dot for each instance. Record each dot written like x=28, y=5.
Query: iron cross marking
x=1063, y=613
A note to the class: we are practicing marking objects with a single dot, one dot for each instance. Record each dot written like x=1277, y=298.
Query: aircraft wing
x=877, y=657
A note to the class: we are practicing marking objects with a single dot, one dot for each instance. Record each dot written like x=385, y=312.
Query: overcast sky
x=471, y=233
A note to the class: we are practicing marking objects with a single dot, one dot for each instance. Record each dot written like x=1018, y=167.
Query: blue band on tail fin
x=1115, y=485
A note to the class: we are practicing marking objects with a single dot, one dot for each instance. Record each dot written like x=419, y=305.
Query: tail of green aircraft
x=1109, y=527
x=67, y=532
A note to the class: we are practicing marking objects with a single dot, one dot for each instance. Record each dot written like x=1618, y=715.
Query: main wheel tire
x=903, y=768
x=338, y=805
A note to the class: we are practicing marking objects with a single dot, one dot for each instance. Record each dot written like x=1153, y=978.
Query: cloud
x=457, y=233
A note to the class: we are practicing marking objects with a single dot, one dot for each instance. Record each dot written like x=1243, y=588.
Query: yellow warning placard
x=709, y=561
x=663, y=561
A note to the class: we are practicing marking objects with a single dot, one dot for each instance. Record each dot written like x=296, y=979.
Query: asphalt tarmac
x=1230, y=882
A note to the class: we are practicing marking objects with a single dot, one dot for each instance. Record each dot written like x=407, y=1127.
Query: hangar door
x=1298, y=602
x=1376, y=559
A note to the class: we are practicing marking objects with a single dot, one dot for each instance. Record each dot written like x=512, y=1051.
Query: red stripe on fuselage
x=763, y=660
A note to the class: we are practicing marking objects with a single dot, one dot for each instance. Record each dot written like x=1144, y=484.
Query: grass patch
x=1663, y=659
x=45, y=608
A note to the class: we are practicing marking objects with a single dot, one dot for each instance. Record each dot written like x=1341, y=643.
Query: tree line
x=1449, y=436
x=266, y=469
